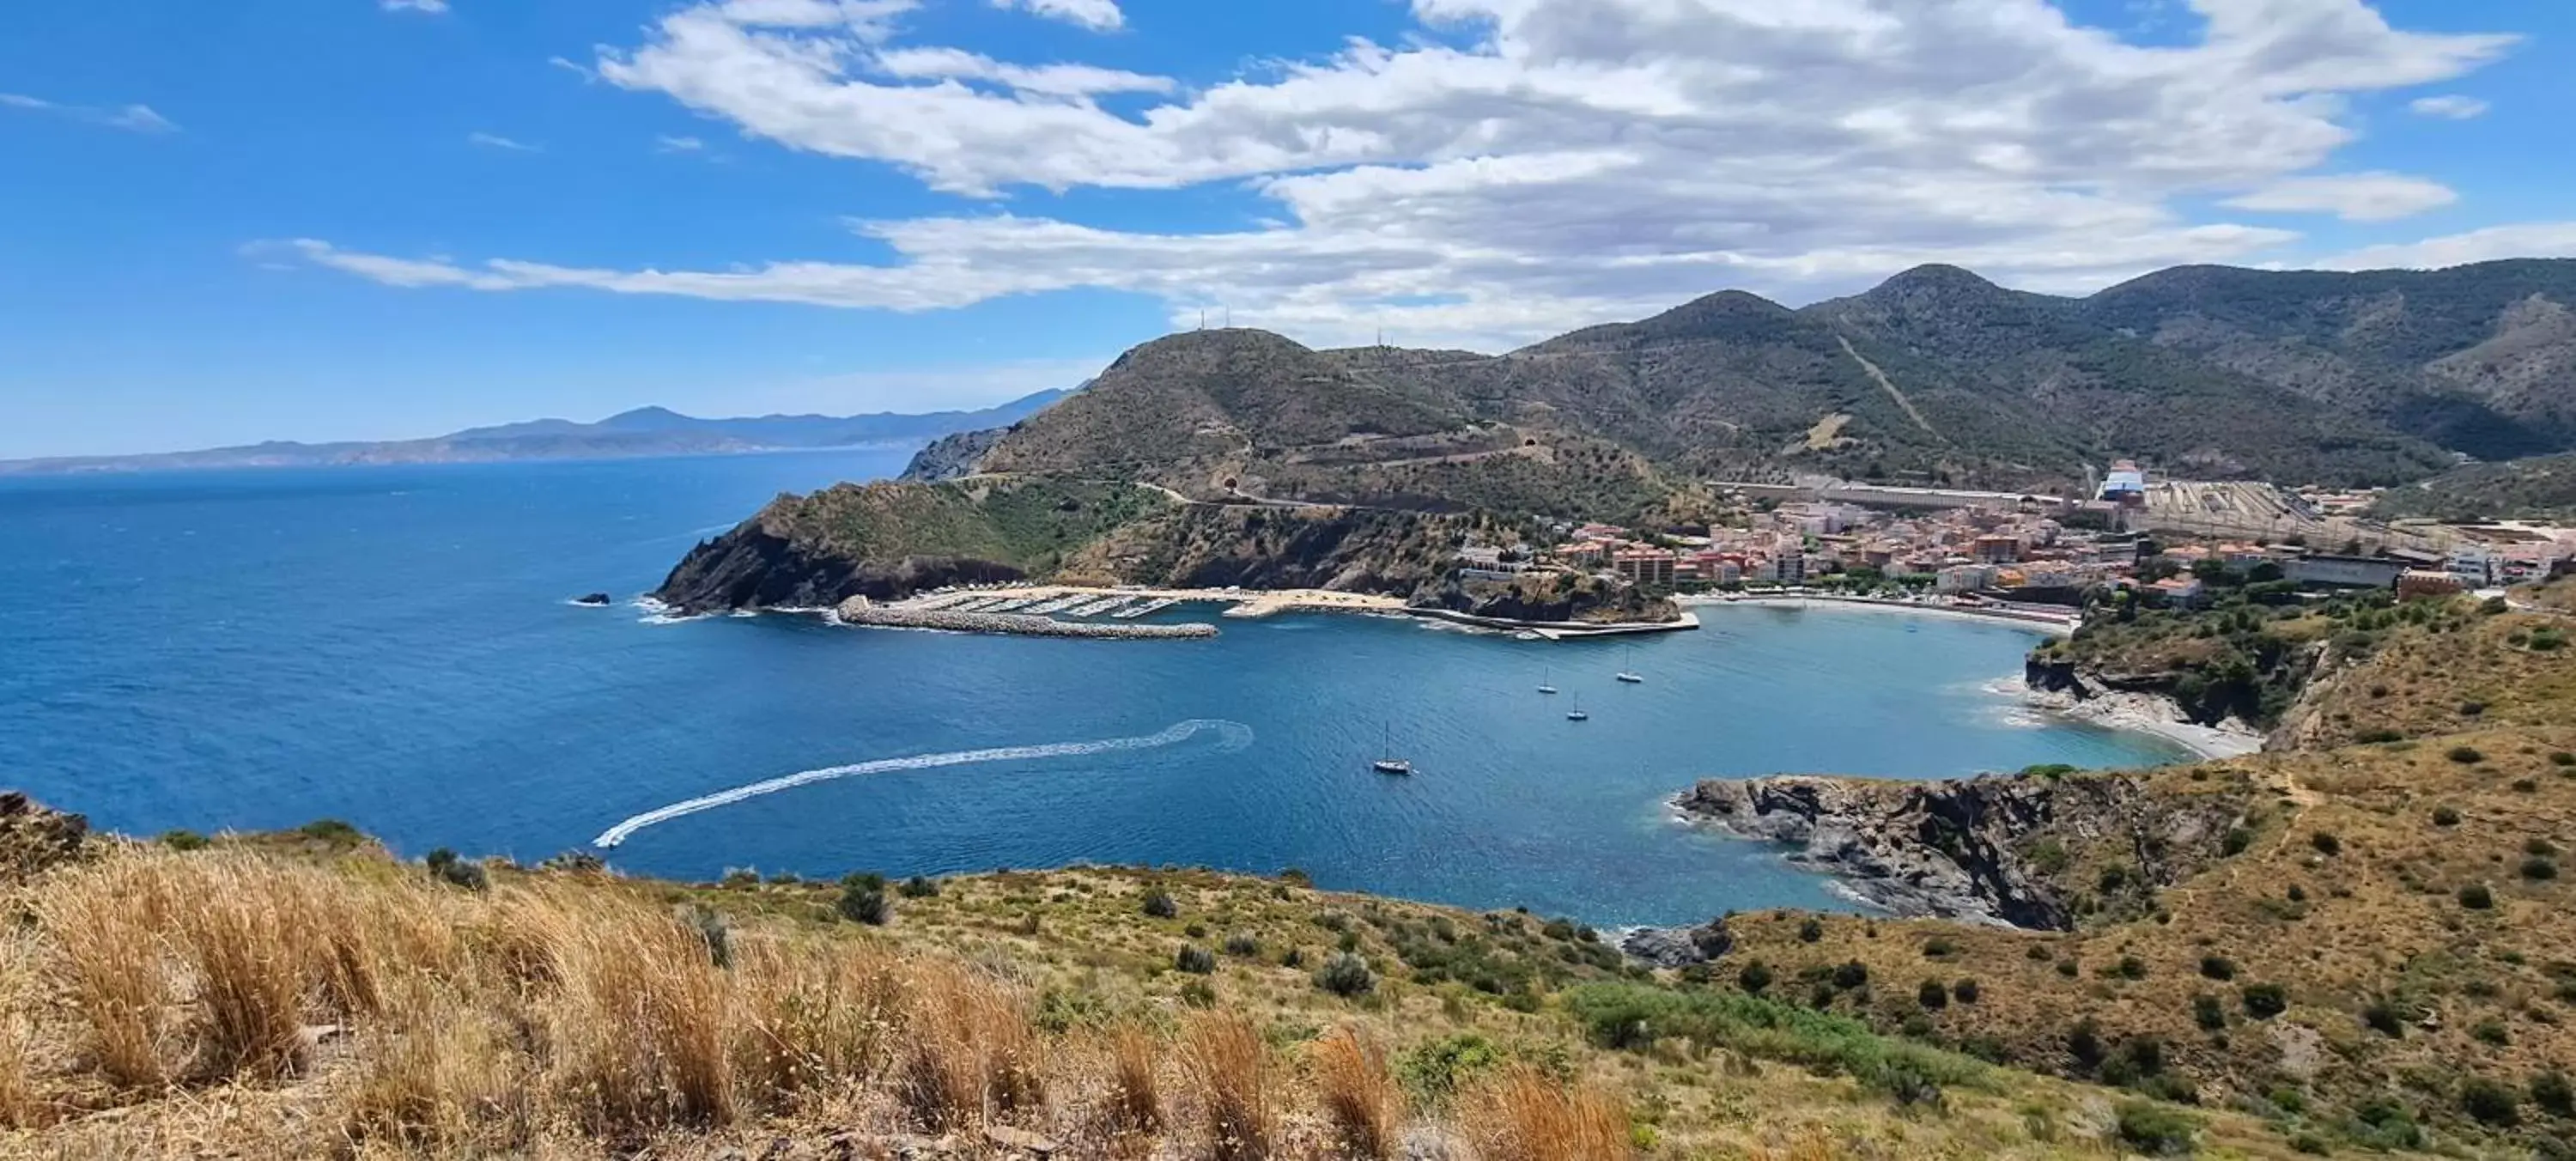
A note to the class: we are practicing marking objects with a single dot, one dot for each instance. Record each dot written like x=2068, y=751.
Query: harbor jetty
x=859, y=611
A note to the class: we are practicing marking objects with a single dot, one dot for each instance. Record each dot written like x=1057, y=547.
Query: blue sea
x=395, y=646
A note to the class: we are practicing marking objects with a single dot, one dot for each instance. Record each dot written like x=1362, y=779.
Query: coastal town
x=2168, y=542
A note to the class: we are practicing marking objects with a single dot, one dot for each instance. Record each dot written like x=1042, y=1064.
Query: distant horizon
x=506, y=423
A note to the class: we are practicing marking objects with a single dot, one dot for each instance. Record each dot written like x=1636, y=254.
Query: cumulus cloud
x=2448, y=106
x=2520, y=240
x=2354, y=197
x=1098, y=15
x=496, y=141
x=1538, y=164
x=131, y=118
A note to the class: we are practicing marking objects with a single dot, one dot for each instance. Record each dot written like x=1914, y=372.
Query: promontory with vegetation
x=1242, y=457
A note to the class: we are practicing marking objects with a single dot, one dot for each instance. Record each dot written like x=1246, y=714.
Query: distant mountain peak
x=647, y=418
x=1936, y=278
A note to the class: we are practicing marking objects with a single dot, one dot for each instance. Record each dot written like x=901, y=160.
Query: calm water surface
x=393, y=646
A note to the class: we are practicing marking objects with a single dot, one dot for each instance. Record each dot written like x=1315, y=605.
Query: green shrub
x=1195, y=960
x=2464, y=755
x=332, y=831
x=2207, y=1012
x=2155, y=1130
x=2446, y=816
x=2490, y=1103
x=919, y=887
x=1938, y=947
x=1346, y=975
x=1753, y=977
x=2383, y=1122
x=861, y=902
x=1965, y=991
x=1160, y=904
x=2476, y=897
x=184, y=840
x=1243, y=945
x=464, y=873
x=2238, y=838
x=2539, y=868
x=2264, y=1001
x=1851, y=973
x=2326, y=843
x=2551, y=1094
x=2132, y=968
x=1932, y=995
x=2218, y=967
x=2382, y=1016
x=1634, y=1016
x=1434, y=1070
x=1811, y=930
x=1198, y=993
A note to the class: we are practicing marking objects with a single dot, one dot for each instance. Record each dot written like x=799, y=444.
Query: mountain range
x=1935, y=376
x=643, y=432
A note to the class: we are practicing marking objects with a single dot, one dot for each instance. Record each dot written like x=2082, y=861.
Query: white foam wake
x=1232, y=736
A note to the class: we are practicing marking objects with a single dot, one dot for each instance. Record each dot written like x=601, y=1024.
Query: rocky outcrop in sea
x=2001, y=850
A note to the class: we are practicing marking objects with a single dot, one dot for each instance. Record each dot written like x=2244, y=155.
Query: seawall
x=860, y=612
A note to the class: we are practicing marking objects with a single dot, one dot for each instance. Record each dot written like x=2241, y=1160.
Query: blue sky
x=360, y=219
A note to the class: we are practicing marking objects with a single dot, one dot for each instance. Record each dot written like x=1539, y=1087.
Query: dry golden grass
x=1521, y=1115
x=1229, y=1070
x=1132, y=1108
x=109, y=964
x=1360, y=1099
x=587, y=1016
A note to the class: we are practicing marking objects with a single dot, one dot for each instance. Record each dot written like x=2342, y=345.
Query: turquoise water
x=393, y=646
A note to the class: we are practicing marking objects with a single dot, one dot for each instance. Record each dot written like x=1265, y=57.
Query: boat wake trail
x=1231, y=736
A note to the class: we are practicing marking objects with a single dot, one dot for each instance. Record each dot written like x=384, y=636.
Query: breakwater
x=859, y=612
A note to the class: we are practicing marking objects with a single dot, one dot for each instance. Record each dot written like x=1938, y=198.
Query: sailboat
x=1544, y=684
x=1576, y=714
x=1630, y=675
x=1389, y=765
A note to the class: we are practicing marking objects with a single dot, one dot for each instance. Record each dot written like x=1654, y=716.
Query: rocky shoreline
x=859, y=611
x=2060, y=687
x=1995, y=850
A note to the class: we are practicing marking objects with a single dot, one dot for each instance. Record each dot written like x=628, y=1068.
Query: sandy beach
x=2033, y=623
x=2148, y=714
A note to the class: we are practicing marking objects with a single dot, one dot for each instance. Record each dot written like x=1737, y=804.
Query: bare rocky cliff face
x=1996, y=850
x=753, y=567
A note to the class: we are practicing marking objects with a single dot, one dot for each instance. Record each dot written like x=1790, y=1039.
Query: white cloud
x=1553, y=162
x=432, y=7
x=1098, y=15
x=2354, y=197
x=496, y=141
x=2521, y=240
x=2449, y=106
x=666, y=143
x=1059, y=80
x=131, y=118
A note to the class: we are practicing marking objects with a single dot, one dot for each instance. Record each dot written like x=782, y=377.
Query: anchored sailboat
x=1629, y=673
x=1389, y=765
x=1576, y=714
x=1545, y=684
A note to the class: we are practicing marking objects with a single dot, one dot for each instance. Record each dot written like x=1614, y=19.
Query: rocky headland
x=1995, y=850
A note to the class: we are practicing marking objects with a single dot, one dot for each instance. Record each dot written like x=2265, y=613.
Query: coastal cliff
x=951, y=457
x=2010, y=851
x=888, y=541
x=755, y=567
x=1552, y=596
